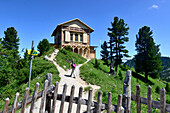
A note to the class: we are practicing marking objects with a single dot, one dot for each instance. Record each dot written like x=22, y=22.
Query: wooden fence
x=49, y=96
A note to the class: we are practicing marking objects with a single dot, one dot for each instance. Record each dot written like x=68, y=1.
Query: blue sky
x=36, y=19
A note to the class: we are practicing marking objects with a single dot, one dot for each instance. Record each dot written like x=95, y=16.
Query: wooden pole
x=79, y=100
x=63, y=98
x=15, y=103
x=24, y=101
x=55, y=97
x=71, y=99
x=43, y=96
x=6, y=106
x=138, y=100
x=99, y=102
x=119, y=103
x=162, y=101
x=89, y=101
x=109, y=102
x=149, y=98
x=34, y=97
x=31, y=64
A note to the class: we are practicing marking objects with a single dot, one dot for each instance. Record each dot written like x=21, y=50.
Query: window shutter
x=67, y=36
x=85, y=38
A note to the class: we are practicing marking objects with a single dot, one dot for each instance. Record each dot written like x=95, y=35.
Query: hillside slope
x=164, y=74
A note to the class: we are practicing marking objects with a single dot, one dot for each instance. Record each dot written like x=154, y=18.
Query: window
x=81, y=37
x=76, y=37
x=71, y=37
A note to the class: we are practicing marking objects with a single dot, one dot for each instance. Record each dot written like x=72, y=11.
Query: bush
x=68, y=48
x=120, y=75
x=43, y=46
x=157, y=90
x=96, y=64
x=167, y=88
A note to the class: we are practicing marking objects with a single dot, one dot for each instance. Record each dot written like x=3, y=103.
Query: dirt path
x=65, y=79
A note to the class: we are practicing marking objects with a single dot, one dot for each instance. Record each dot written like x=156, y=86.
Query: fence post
x=119, y=103
x=6, y=106
x=79, y=100
x=15, y=103
x=34, y=97
x=127, y=90
x=162, y=101
x=55, y=97
x=48, y=96
x=138, y=98
x=109, y=102
x=24, y=101
x=99, y=102
x=149, y=98
x=71, y=99
x=89, y=101
x=63, y=98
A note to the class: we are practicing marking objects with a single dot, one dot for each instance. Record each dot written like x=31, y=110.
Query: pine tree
x=105, y=53
x=11, y=39
x=117, y=34
x=148, y=56
x=43, y=46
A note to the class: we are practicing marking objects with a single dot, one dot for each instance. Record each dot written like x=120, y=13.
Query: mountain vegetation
x=14, y=70
x=147, y=59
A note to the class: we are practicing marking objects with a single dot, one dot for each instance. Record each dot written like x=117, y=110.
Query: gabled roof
x=59, y=25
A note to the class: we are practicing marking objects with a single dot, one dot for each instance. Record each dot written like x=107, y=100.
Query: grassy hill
x=164, y=74
x=113, y=83
x=64, y=58
x=40, y=68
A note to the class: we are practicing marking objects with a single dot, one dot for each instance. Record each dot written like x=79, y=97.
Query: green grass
x=40, y=68
x=64, y=58
x=112, y=83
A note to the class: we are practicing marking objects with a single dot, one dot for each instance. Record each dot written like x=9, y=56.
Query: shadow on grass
x=136, y=75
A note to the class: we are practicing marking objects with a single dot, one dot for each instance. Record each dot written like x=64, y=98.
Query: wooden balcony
x=75, y=29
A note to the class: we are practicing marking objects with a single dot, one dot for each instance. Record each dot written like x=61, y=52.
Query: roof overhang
x=60, y=25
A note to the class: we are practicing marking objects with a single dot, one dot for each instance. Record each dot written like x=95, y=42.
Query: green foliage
x=43, y=46
x=86, y=89
x=11, y=39
x=105, y=53
x=64, y=58
x=118, y=36
x=147, y=59
x=120, y=75
x=68, y=48
x=113, y=84
x=157, y=90
x=96, y=64
x=167, y=88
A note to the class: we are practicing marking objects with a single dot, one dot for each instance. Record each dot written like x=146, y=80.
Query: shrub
x=43, y=46
x=120, y=75
x=68, y=48
x=157, y=90
x=167, y=88
x=96, y=64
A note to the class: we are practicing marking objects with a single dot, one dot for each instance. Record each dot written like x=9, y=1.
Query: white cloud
x=154, y=7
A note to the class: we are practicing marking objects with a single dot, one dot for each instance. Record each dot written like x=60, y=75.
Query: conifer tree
x=105, y=53
x=43, y=46
x=148, y=56
x=118, y=36
x=11, y=39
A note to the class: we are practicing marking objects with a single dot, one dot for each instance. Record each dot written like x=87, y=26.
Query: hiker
x=73, y=66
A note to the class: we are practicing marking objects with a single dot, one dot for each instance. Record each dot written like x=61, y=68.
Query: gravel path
x=65, y=79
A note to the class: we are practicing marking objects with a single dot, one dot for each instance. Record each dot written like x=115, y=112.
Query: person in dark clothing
x=73, y=66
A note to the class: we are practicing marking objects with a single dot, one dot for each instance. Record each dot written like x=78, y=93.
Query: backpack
x=74, y=65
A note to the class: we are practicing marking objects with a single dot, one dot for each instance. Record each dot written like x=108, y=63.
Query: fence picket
x=63, y=98
x=79, y=100
x=24, y=101
x=89, y=101
x=119, y=103
x=6, y=105
x=15, y=103
x=71, y=99
x=55, y=97
x=109, y=102
x=34, y=97
x=43, y=96
x=162, y=101
x=149, y=98
x=138, y=100
x=99, y=102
